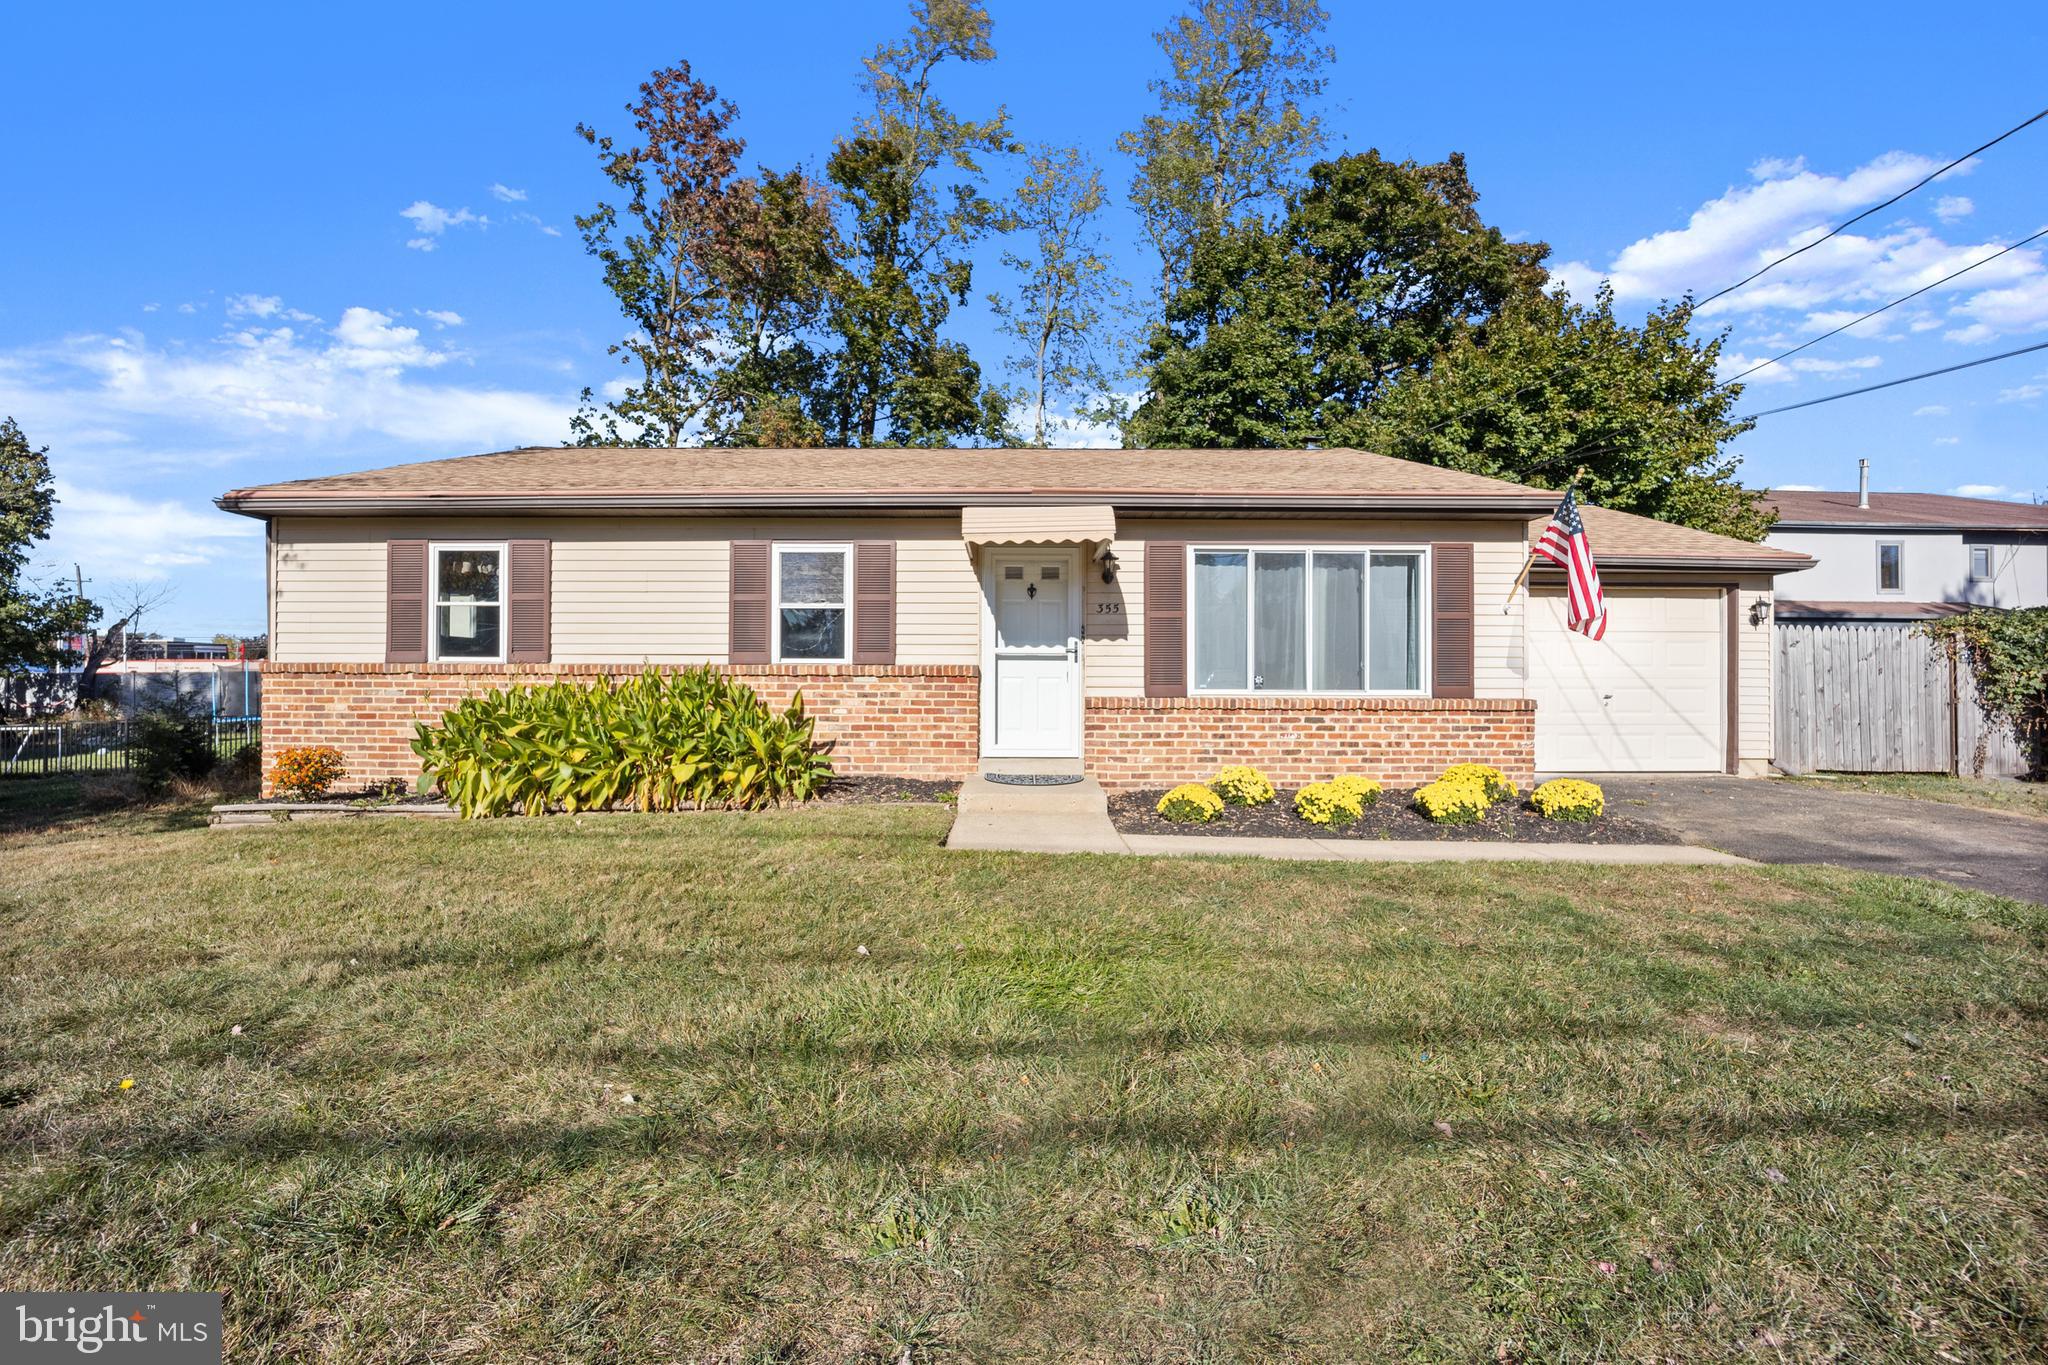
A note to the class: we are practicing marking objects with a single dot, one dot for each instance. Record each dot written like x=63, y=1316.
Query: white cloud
x=1948, y=440
x=2023, y=393
x=367, y=377
x=1816, y=365
x=505, y=194
x=264, y=306
x=1932, y=410
x=151, y=307
x=430, y=220
x=125, y=537
x=524, y=217
x=1788, y=207
x=1796, y=488
x=2020, y=308
x=1980, y=490
x=1733, y=363
x=440, y=317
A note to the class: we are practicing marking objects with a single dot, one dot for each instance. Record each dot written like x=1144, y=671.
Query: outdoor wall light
x=1760, y=611
x=1108, y=560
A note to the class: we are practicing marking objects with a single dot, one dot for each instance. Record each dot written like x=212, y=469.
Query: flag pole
x=1529, y=563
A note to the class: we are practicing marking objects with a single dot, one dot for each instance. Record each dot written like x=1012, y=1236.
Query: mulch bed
x=1392, y=817
x=842, y=791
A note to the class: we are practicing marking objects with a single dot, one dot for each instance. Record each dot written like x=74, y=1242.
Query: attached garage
x=1652, y=696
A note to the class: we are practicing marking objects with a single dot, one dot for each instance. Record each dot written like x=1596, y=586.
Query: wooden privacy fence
x=1853, y=698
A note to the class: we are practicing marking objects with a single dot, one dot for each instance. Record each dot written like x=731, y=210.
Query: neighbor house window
x=811, y=606
x=1344, y=620
x=1891, y=566
x=469, y=602
x=1980, y=563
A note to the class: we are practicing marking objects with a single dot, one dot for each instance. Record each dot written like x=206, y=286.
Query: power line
x=1894, y=383
x=1532, y=388
x=1875, y=311
x=1875, y=208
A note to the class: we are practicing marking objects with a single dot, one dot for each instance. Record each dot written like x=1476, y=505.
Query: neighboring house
x=1147, y=615
x=1907, y=556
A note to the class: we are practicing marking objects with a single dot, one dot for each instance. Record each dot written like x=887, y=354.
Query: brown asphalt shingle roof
x=570, y=472
x=1905, y=510
x=559, y=478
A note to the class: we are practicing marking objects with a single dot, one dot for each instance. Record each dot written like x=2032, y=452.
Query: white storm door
x=1037, y=656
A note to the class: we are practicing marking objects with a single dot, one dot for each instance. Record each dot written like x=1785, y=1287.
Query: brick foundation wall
x=901, y=720
x=1402, y=742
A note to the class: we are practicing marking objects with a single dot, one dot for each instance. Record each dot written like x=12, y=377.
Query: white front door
x=1035, y=690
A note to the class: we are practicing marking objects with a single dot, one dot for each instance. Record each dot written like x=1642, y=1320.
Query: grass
x=2014, y=798
x=803, y=1086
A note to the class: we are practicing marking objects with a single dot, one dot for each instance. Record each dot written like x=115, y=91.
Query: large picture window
x=811, y=607
x=1341, y=620
x=469, y=603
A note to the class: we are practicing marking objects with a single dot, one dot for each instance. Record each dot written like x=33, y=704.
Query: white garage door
x=1648, y=698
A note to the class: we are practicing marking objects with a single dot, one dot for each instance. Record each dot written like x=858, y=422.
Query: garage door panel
x=1647, y=698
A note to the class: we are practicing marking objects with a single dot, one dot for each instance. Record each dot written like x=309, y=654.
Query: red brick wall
x=1402, y=742
x=900, y=720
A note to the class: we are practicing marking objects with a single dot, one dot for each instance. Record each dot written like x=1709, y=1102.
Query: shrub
x=1490, y=780
x=1364, y=788
x=1190, y=803
x=1330, y=804
x=169, y=743
x=1567, y=798
x=1452, y=803
x=1242, y=785
x=307, y=774
x=2008, y=651
x=660, y=742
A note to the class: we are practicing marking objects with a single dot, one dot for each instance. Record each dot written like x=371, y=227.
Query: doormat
x=1033, y=779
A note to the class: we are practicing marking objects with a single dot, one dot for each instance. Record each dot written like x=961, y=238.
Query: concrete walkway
x=1075, y=819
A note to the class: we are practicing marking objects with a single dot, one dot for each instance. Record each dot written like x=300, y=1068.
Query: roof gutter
x=1959, y=526
x=1788, y=563
x=254, y=503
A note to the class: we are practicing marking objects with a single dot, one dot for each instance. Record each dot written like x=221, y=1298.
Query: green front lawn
x=803, y=1086
x=2014, y=798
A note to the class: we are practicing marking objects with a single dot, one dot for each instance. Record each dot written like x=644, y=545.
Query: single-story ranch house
x=1149, y=614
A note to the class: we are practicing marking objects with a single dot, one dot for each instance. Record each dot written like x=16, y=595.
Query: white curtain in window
x=1280, y=622
x=1220, y=620
x=1396, y=618
x=1339, y=646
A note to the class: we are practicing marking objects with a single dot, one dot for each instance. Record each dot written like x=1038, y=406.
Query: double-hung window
x=1980, y=564
x=811, y=603
x=1891, y=566
x=1308, y=620
x=469, y=603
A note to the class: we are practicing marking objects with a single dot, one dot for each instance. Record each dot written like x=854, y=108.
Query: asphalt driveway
x=1785, y=822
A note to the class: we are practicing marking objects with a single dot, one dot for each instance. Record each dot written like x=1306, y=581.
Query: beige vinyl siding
x=1115, y=650
x=1755, y=745
x=626, y=589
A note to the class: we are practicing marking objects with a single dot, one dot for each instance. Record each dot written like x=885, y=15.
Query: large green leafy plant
x=659, y=742
x=2008, y=651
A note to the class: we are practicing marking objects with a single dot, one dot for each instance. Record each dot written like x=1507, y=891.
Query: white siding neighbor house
x=1907, y=556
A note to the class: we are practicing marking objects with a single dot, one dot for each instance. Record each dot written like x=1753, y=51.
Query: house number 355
x=1109, y=609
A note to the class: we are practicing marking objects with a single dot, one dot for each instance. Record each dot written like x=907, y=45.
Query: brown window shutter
x=405, y=601
x=528, y=588
x=1166, y=618
x=874, y=602
x=747, y=637
x=1451, y=596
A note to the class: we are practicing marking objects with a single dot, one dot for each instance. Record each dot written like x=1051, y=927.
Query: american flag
x=1564, y=544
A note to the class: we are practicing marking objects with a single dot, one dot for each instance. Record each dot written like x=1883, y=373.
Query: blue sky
x=267, y=242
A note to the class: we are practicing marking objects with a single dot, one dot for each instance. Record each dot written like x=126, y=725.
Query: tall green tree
x=1236, y=119
x=1282, y=333
x=35, y=619
x=1056, y=312
x=661, y=248
x=1551, y=385
x=910, y=182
